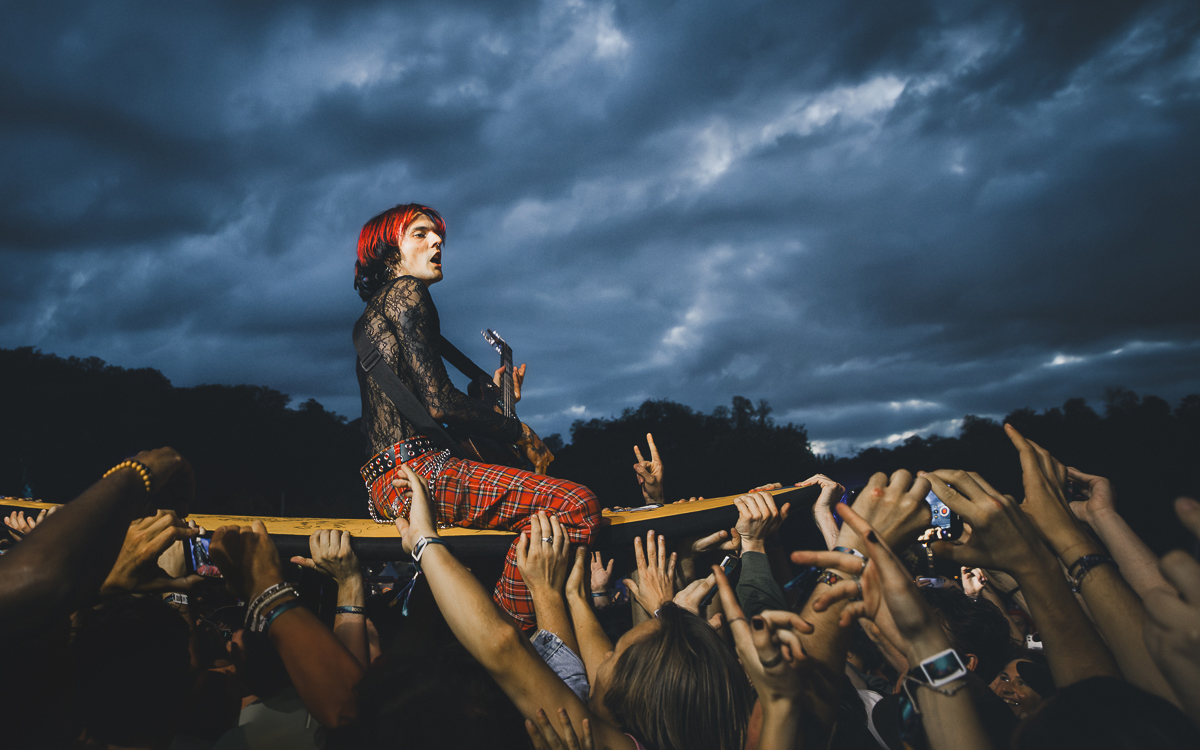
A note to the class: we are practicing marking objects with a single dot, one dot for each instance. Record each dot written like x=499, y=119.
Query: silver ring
x=547, y=540
x=858, y=582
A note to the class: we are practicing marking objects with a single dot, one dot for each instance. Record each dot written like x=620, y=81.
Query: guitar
x=485, y=449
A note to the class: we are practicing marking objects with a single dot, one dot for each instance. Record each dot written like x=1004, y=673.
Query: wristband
x=1079, y=569
x=347, y=609
x=174, y=598
x=419, y=549
x=277, y=612
x=597, y=595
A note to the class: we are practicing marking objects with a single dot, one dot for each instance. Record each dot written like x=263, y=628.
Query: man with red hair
x=399, y=257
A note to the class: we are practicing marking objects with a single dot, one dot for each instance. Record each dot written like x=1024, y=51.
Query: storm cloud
x=878, y=216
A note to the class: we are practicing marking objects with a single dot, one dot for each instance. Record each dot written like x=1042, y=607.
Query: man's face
x=421, y=251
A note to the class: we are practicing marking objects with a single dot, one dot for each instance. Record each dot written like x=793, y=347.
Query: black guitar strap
x=372, y=362
x=462, y=362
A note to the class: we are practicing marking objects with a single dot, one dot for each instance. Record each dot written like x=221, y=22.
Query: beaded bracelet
x=1080, y=568
x=347, y=609
x=138, y=466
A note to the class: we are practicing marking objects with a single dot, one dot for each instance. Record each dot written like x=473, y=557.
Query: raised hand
x=518, y=379
x=422, y=519
x=1044, y=478
x=895, y=507
x=884, y=581
x=544, y=554
x=649, y=473
x=19, y=525
x=1171, y=630
x=692, y=594
x=173, y=484
x=1097, y=496
x=822, y=510
x=1002, y=535
x=726, y=541
x=973, y=581
x=247, y=557
x=332, y=555
x=758, y=518
x=601, y=574
x=545, y=737
x=137, y=567
x=656, y=573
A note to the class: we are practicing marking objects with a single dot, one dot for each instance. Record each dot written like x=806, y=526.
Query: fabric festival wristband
x=347, y=609
x=419, y=549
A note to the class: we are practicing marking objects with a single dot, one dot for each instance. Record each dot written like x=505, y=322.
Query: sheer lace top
x=403, y=323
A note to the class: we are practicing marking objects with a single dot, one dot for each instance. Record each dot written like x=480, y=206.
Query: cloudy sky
x=879, y=216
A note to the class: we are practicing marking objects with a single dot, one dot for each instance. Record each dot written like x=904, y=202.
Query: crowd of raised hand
x=1046, y=624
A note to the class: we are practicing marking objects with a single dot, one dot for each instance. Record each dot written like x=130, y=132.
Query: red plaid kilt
x=484, y=496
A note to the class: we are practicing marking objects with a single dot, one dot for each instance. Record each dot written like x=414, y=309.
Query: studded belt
x=383, y=462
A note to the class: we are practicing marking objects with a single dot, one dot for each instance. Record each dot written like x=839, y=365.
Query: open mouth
x=436, y=259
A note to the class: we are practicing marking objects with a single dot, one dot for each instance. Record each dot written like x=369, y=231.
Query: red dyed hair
x=380, y=237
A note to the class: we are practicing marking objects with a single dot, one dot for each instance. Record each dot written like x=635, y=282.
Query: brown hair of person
x=681, y=687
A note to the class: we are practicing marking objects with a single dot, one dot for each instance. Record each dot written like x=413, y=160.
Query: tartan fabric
x=485, y=496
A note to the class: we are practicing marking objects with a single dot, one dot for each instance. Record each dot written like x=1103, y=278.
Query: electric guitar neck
x=508, y=401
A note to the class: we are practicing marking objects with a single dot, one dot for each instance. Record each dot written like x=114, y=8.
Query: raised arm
x=758, y=519
x=323, y=672
x=333, y=556
x=491, y=637
x=61, y=564
x=1170, y=633
x=822, y=510
x=950, y=718
x=593, y=642
x=1003, y=538
x=1118, y=612
x=544, y=566
x=1139, y=566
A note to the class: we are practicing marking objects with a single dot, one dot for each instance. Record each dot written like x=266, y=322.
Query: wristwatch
x=939, y=669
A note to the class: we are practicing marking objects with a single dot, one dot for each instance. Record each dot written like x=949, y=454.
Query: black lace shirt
x=403, y=323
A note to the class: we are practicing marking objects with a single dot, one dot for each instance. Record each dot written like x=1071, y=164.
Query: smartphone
x=196, y=559
x=729, y=564
x=948, y=523
x=933, y=582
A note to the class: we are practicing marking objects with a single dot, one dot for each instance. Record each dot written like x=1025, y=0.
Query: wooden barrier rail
x=374, y=542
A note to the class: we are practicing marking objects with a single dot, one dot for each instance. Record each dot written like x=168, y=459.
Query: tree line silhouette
x=65, y=421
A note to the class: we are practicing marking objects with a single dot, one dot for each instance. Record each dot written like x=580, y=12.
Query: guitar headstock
x=496, y=342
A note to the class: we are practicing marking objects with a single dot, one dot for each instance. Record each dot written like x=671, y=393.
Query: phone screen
x=943, y=518
x=198, y=560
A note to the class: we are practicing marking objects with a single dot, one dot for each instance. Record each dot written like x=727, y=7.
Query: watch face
x=942, y=666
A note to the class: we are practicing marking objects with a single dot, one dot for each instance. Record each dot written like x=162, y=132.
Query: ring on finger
x=858, y=583
x=547, y=539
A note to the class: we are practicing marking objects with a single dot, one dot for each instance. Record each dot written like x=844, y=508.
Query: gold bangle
x=138, y=466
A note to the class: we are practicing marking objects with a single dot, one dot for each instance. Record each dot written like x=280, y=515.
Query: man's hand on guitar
x=518, y=378
x=535, y=450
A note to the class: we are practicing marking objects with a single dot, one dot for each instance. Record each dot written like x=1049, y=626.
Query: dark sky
x=879, y=216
